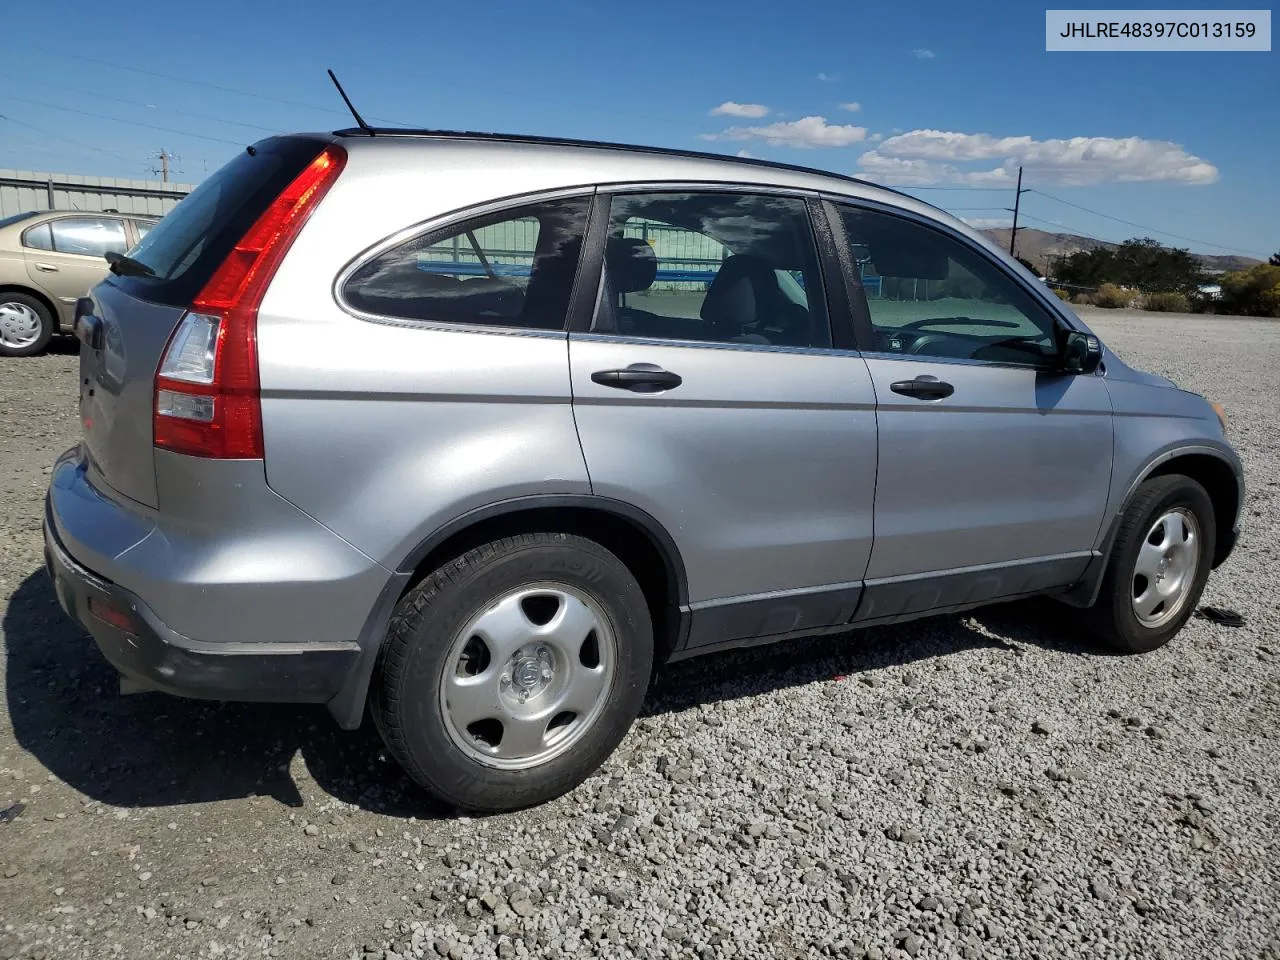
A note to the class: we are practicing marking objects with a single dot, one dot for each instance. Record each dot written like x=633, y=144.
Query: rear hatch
x=129, y=317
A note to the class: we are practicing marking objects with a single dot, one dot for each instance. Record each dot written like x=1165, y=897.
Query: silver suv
x=477, y=430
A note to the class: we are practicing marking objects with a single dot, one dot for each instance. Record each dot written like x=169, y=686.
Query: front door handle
x=923, y=387
x=46, y=267
x=639, y=378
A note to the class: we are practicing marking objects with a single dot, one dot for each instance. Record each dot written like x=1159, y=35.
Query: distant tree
x=1029, y=265
x=1275, y=259
x=1144, y=264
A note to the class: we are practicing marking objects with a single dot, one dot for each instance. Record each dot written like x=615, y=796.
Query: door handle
x=46, y=267
x=638, y=378
x=923, y=387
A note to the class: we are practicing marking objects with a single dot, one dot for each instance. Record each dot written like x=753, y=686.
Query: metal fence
x=23, y=190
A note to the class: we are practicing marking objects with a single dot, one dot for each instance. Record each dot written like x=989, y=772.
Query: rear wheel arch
x=631, y=534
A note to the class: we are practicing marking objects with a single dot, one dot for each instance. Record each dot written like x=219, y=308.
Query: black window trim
x=451, y=218
x=587, y=290
x=862, y=314
x=73, y=215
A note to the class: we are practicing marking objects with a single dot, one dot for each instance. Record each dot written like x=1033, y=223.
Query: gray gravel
x=987, y=788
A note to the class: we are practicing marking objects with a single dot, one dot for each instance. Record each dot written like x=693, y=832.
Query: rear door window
x=712, y=267
x=185, y=247
x=513, y=269
x=89, y=236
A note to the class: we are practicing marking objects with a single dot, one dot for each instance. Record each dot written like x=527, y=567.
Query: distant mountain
x=1040, y=246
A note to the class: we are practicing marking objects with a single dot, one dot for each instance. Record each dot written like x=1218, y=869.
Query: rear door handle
x=923, y=387
x=639, y=378
x=46, y=267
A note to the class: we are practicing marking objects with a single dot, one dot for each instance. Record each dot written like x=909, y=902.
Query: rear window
x=192, y=240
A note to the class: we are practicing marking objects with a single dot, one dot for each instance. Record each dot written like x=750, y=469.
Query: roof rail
x=606, y=145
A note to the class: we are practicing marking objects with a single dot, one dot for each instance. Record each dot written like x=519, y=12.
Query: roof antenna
x=347, y=100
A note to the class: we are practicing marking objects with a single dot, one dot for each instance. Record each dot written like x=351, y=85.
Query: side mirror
x=1081, y=352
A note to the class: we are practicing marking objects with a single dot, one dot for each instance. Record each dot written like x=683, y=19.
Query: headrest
x=744, y=291
x=632, y=264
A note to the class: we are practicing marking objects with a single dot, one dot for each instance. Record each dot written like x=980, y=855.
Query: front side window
x=712, y=268
x=514, y=269
x=931, y=295
x=88, y=236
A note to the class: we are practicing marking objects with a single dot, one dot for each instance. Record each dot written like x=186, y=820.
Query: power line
x=143, y=103
x=134, y=123
x=1166, y=233
x=58, y=136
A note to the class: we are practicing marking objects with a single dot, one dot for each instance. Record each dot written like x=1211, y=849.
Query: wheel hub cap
x=529, y=672
x=528, y=676
x=1166, y=567
x=19, y=325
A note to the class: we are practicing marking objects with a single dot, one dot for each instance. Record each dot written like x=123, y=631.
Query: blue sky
x=946, y=95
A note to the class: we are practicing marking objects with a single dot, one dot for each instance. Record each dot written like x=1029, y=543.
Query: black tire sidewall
x=411, y=714
x=47, y=324
x=1127, y=633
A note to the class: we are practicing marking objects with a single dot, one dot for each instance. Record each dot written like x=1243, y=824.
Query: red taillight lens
x=207, y=398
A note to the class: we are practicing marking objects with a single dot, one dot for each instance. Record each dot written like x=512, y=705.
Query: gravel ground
x=978, y=786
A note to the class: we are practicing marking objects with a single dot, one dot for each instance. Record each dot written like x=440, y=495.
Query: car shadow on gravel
x=153, y=750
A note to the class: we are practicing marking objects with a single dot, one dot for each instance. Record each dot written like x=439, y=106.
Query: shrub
x=1112, y=296
x=1083, y=299
x=1061, y=293
x=1254, y=292
x=1168, y=302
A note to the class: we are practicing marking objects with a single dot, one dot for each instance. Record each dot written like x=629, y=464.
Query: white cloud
x=986, y=223
x=747, y=154
x=876, y=137
x=852, y=106
x=731, y=108
x=827, y=77
x=922, y=53
x=932, y=156
x=805, y=132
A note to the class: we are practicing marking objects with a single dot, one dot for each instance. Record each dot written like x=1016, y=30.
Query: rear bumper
x=151, y=654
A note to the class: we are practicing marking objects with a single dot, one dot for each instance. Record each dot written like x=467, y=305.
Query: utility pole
x=164, y=156
x=1017, y=200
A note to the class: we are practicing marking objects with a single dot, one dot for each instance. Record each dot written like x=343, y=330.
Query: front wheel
x=1159, y=564
x=511, y=673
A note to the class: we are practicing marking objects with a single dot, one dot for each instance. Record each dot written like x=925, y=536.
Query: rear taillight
x=207, y=397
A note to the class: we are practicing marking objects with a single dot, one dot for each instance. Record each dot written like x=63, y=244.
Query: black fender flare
x=347, y=706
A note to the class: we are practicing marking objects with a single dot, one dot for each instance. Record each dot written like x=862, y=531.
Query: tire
x=446, y=674
x=1115, y=618
x=18, y=311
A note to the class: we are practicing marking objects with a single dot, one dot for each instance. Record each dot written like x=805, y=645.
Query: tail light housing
x=207, y=395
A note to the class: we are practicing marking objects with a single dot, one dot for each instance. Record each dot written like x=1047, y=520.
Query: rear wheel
x=25, y=325
x=1158, y=567
x=511, y=673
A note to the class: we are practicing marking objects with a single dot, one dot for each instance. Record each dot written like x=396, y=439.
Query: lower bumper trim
x=152, y=656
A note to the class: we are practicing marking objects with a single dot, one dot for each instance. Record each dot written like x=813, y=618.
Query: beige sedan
x=48, y=260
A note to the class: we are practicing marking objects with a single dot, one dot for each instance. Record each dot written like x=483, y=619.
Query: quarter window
x=88, y=236
x=513, y=269
x=39, y=237
x=931, y=295
x=713, y=268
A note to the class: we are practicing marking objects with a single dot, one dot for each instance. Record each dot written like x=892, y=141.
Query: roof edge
x=607, y=145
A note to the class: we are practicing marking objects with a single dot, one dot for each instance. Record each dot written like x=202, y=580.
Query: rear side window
x=513, y=269
x=185, y=247
x=88, y=236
